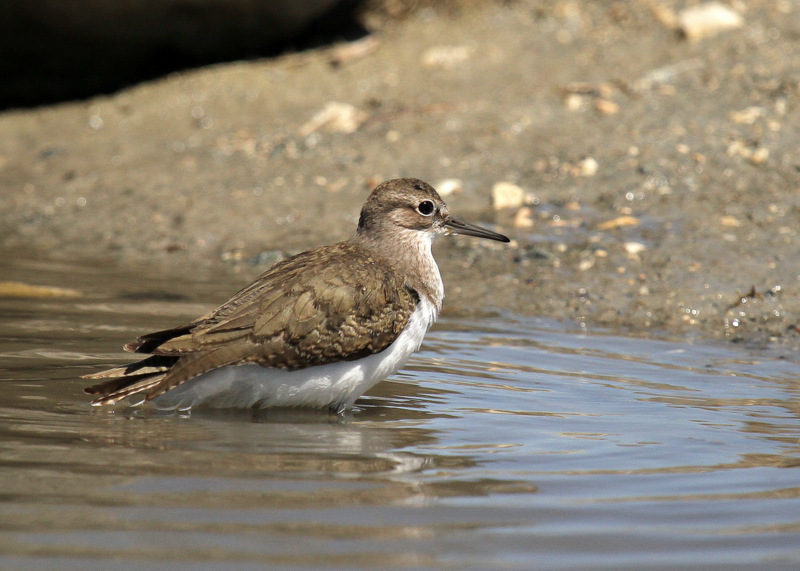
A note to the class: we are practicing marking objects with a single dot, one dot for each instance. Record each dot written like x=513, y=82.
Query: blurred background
x=54, y=51
x=643, y=154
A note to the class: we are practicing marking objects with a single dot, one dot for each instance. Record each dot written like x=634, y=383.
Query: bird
x=315, y=330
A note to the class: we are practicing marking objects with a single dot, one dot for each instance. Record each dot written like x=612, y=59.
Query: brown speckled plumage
x=336, y=303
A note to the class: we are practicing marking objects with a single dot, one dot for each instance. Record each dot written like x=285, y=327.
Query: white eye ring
x=426, y=208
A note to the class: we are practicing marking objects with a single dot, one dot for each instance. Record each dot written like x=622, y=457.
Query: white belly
x=335, y=385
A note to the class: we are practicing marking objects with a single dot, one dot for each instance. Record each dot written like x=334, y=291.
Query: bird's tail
x=121, y=382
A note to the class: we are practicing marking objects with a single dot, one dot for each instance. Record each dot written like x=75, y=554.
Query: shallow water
x=505, y=443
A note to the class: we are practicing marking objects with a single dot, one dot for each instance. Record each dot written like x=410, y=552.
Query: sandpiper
x=315, y=330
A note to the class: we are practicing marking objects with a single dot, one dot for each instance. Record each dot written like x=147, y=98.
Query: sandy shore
x=659, y=174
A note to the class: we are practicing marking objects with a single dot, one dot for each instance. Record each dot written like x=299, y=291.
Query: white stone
x=507, y=195
x=706, y=20
x=449, y=186
x=588, y=166
x=523, y=218
x=446, y=56
x=634, y=248
x=335, y=117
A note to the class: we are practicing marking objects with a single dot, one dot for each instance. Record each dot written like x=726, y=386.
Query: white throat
x=410, y=251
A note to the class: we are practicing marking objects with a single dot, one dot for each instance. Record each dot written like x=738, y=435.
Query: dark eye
x=426, y=208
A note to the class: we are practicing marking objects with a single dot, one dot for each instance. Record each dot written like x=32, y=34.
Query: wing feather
x=336, y=303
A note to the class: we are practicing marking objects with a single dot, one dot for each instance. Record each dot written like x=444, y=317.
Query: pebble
x=335, y=117
x=507, y=195
x=747, y=116
x=633, y=249
x=523, y=218
x=449, y=186
x=730, y=221
x=618, y=223
x=757, y=155
x=706, y=20
x=446, y=57
x=588, y=166
x=575, y=102
x=606, y=107
x=354, y=50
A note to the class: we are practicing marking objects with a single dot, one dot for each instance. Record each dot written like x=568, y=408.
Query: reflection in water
x=502, y=441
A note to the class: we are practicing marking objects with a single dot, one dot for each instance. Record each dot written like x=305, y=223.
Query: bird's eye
x=426, y=208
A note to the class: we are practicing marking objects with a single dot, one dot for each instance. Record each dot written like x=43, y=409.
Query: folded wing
x=297, y=314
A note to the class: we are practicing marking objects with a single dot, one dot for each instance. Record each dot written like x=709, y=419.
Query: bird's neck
x=409, y=254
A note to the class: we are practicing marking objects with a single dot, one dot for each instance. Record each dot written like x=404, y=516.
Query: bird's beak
x=457, y=226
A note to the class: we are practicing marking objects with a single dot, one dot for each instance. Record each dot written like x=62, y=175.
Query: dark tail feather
x=129, y=380
x=151, y=365
x=150, y=342
x=117, y=389
x=117, y=384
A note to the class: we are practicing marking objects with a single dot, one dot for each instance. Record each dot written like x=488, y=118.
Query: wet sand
x=660, y=175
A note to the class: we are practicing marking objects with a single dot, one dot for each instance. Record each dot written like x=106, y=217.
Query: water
x=505, y=444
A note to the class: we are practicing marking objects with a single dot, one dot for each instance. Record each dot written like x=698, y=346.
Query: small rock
x=446, y=56
x=335, y=117
x=737, y=147
x=336, y=185
x=449, y=186
x=588, y=166
x=730, y=221
x=747, y=116
x=606, y=107
x=618, y=223
x=759, y=156
x=706, y=20
x=524, y=218
x=633, y=249
x=354, y=50
x=575, y=102
x=507, y=195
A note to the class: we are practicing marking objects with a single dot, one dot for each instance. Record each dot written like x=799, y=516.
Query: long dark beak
x=460, y=227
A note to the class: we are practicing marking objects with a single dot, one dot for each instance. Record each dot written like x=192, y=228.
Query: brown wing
x=331, y=304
